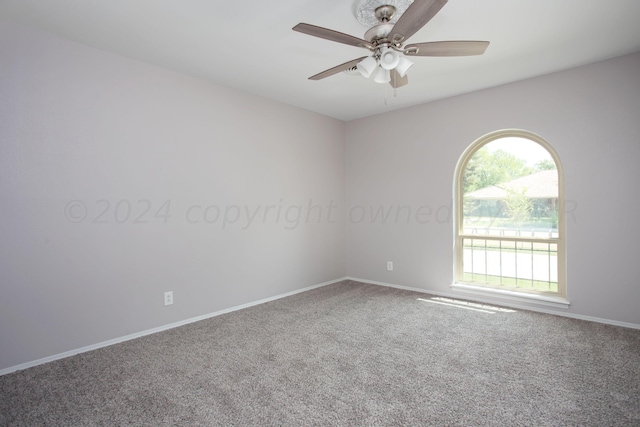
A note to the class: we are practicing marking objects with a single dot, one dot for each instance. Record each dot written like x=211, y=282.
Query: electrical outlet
x=389, y=265
x=168, y=298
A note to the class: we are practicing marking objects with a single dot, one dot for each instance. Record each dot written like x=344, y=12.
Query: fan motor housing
x=379, y=32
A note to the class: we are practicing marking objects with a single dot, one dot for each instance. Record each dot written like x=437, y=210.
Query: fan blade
x=337, y=69
x=397, y=81
x=325, y=33
x=415, y=17
x=448, y=48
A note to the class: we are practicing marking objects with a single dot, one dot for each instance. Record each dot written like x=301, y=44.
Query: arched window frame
x=554, y=298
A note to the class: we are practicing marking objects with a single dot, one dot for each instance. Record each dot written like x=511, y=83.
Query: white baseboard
x=502, y=302
x=262, y=301
x=155, y=330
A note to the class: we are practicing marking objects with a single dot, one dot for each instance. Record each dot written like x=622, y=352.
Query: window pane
x=510, y=188
x=522, y=265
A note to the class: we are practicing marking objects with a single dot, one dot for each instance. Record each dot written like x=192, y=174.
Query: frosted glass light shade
x=403, y=66
x=367, y=66
x=389, y=58
x=382, y=75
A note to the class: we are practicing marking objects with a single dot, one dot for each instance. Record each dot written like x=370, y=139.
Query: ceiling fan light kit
x=385, y=59
x=367, y=66
x=403, y=66
x=389, y=58
x=382, y=76
x=385, y=39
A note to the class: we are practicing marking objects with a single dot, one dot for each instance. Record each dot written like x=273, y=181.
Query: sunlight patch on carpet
x=467, y=305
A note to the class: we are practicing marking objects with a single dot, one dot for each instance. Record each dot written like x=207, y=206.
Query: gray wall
x=407, y=158
x=84, y=129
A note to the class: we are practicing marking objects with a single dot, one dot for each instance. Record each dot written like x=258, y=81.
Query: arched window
x=509, y=233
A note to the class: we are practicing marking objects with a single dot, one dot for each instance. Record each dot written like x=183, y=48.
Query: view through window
x=508, y=216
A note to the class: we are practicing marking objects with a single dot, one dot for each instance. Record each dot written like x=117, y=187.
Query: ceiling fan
x=388, y=63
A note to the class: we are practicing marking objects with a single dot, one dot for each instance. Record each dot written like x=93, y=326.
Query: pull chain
x=386, y=94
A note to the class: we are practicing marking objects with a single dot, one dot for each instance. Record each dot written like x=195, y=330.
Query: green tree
x=487, y=168
x=518, y=206
x=546, y=165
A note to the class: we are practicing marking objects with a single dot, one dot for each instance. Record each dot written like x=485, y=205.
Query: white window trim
x=505, y=294
x=558, y=299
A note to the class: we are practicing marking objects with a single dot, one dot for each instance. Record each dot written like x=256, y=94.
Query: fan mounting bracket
x=373, y=12
x=385, y=13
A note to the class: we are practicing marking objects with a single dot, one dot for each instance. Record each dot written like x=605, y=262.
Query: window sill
x=546, y=300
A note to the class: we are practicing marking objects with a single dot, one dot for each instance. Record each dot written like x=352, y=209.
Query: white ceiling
x=250, y=46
